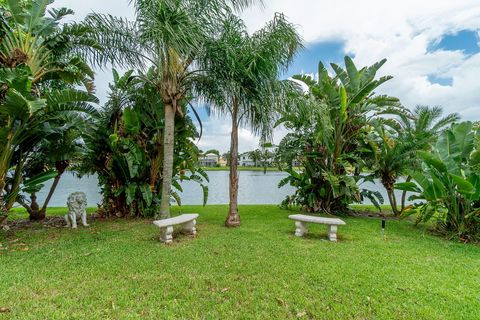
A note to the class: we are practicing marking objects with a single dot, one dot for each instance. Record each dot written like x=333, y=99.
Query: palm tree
x=422, y=126
x=124, y=149
x=394, y=155
x=168, y=35
x=54, y=52
x=267, y=155
x=256, y=156
x=243, y=70
x=226, y=156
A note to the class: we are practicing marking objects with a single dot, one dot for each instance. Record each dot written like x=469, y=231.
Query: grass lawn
x=119, y=270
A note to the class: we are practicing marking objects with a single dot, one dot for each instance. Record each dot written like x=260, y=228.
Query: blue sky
x=307, y=60
x=432, y=48
x=464, y=40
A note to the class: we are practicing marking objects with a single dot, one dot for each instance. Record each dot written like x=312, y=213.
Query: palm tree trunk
x=233, y=218
x=167, y=172
x=393, y=201
x=404, y=194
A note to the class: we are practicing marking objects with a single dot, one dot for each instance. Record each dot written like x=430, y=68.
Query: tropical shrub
x=55, y=153
x=329, y=132
x=394, y=154
x=449, y=183
x=126, y=149
x=395, y=141
x=41, y=64
x=26, y=120
x=170, y=36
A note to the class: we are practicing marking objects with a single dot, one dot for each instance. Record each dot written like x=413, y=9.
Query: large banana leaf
x=456, y=144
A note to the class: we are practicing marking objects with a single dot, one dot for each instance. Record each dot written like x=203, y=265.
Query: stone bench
x=188, y=222
x=301, y=221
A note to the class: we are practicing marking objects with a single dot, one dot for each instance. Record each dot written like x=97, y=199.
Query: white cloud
x=400, y=31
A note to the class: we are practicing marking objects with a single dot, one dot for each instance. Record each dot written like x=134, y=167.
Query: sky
x=432, y=49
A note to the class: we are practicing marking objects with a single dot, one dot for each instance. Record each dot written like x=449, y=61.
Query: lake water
x=254, y=188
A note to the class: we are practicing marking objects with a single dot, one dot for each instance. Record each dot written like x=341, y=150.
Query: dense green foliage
x=121, y=271
x=169, y=35
x=396, y=140
x=143, y=142
x=125, y=149
x=449, y=182
x=328, y=136
x=41, y=63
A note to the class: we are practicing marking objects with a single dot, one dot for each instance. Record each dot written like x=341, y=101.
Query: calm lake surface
x=254, y=188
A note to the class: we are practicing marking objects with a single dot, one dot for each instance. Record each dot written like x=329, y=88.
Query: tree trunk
x=35, y=212
x=233, y=218
x=15, y=189
x=404, y=194
x=167, y=172
x=393, y=201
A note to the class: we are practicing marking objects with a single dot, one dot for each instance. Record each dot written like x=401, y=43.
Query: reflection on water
x=254, y=188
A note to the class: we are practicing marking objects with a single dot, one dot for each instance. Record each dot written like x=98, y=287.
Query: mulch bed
x=48, y=222
x=374, y=215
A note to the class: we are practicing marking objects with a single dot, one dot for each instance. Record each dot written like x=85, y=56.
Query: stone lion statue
x=77, y=205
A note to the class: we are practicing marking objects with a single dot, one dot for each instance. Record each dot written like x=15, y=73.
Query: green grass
x=119, y=270
x=20, y=213
x=386, y=208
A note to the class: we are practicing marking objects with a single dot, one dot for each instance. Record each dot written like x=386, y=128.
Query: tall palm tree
x=168, y=35
x=242, y=82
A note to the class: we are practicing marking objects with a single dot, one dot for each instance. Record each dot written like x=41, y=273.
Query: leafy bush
x=328, y=136
x=126, y=149
x=43, y=64
x=449, y=182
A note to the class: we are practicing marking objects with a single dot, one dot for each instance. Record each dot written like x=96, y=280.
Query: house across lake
x=245, y=160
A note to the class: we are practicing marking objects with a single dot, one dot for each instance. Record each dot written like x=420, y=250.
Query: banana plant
x=329, y=132
x=41, y=62
x=449, y=183
x=26, y=120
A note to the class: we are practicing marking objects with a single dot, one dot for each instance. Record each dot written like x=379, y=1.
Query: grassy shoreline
x=118, y=269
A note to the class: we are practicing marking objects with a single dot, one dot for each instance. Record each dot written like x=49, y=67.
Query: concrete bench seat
x=188, y=222
x=301, y=221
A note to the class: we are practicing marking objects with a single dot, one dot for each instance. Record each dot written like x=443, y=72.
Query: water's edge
x=254, y=188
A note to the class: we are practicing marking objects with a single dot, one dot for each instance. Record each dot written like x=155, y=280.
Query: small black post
x=383, y=227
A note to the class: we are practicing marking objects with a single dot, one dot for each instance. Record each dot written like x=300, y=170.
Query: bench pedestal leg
x=332, y=233
x=190, y=227
x=301, y=228
x=166, y=234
